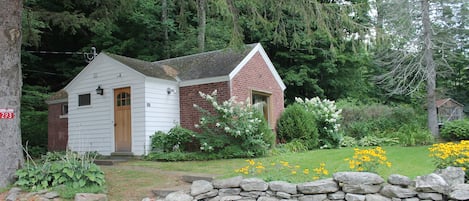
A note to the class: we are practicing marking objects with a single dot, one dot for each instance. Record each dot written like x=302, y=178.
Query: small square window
x=64, y=109
x=84, y=99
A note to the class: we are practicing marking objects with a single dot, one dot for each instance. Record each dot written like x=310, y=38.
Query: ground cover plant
x=68, y=173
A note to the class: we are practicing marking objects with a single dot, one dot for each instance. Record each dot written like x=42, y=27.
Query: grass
x=408, y=161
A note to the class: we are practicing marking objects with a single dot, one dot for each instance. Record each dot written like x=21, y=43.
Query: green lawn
x=408, y=161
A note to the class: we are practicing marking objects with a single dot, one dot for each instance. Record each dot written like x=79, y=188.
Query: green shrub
x=377, y=141
x=456, y=130
x=295, y=146
x=348, y=141
x=381, y=124
x=232, y=124
x=177, y=139
x=71, y=169
x=413, y=135
x=296, y=123
x=327, y=118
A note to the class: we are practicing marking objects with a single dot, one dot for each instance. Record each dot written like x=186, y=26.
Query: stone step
x=163, y=192
x=108, y=161
x=192, y=178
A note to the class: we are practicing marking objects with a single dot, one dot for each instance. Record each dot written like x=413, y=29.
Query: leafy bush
x=233, y=128
x=326, y=117
x=412, y=135
x=456, y=130
x=296, y=123
x=378, y=124
x=71, y=169
x=377, y=141
x=177, y=139
x=348, y=141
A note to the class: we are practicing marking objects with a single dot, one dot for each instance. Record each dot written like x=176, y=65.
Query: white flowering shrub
x=232, y=128
x=327, y=116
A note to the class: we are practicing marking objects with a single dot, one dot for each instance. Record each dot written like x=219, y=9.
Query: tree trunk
x=11, y=154
x=237, y=35
x=164, y=8
x=431, y=70
x=202, y=23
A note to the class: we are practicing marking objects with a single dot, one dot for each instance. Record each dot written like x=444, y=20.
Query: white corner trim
x=204, y=81
x=270, y=65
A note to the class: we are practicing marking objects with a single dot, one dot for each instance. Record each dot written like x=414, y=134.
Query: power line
x=89, y=56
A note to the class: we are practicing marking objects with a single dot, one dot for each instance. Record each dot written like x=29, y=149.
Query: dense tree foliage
x=321, y=48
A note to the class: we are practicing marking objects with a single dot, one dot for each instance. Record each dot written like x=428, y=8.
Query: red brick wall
x=190, y=95
x=255, y=75
x=57, y=129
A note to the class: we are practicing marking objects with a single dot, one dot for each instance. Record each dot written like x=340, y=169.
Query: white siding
x=91, y=128
x=161, y=109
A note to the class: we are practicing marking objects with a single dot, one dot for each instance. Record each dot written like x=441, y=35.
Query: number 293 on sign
x=7, y=113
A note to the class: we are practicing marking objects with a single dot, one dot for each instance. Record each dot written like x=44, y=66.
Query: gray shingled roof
x=191, y=67
x=144, y=67
x=208, y=64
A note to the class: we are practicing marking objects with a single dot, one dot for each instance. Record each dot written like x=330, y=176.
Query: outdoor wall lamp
x=169, y=90
x=99, y=90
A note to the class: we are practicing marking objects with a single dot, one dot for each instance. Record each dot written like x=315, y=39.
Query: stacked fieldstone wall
x=446, y=184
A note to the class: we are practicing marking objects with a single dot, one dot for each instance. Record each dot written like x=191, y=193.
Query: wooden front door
x=122, y=120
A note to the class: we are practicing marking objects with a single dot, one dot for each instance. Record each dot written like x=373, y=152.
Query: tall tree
x=430, y=69
x=11, y=153
x=414, y=32
x=202, y=20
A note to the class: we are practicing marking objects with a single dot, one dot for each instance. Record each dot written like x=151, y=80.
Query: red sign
x=7, y=114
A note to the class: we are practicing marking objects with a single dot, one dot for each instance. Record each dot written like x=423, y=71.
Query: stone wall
x=445, y=184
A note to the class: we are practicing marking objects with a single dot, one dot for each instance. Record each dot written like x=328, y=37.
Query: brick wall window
x=261, y=101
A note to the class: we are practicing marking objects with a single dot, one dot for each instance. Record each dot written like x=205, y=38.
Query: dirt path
x=127, y=182
x=133, y=183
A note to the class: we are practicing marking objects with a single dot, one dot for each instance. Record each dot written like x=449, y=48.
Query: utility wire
x=89, y=56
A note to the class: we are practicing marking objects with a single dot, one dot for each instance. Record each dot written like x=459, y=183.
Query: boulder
x=452, y=175
x=339, y=195
x=460, y=192
x=431, y=183
x=430, y=196
x=393, y=191
x=361, y=188
x=282, y=186
x=210, y=194
x=254, y=184
x=376, y=197
x=90, y=197
x=233, y=182
x=229, y=191
x=354, y=197
x=357, y=178
x=178, y=196
x=318, y=187
x=200, y=186
x=13, y=194
x=318, y=197
x=267, y=199
x=401, y=180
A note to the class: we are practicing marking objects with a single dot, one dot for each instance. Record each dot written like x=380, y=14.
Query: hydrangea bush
x=233, y=128
x=327, y=116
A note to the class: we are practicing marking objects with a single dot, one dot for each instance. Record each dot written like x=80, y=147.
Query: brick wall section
x=57, y=129
x=255, y=75
x=189, y=96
